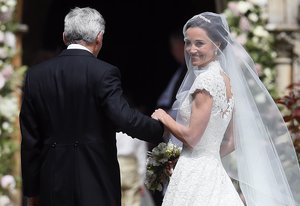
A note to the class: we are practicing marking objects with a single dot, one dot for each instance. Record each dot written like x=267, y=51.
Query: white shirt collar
x=78, y=46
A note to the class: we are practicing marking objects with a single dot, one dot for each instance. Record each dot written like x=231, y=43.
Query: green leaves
x=160, y=163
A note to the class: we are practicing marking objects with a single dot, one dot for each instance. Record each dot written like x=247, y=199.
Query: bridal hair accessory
x=204, y=18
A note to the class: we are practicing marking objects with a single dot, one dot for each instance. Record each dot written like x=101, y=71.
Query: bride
x=229, y=126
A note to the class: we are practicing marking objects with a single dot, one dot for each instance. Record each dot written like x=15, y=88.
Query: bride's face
x=199, y=46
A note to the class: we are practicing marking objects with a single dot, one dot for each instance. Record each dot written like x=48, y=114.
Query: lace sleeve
x=215, y=86
x=206, y=82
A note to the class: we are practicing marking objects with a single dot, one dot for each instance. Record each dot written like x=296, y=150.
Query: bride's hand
x=161, y=115
x=154, y=116
x=158, y=114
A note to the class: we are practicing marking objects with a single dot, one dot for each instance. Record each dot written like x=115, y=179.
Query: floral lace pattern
x=199, y=177
x=212, y=81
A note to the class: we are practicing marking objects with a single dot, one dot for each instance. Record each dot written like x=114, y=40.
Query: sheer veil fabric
x=264, y=160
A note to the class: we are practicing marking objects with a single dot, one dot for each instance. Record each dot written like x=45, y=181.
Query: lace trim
x=213, y=82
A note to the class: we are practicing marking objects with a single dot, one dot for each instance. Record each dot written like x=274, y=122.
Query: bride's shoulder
x=207, y=75
x=205, y=80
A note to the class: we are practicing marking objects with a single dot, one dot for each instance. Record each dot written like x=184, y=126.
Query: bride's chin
x=195, y=63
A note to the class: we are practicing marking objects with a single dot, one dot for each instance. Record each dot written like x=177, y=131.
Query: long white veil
x=264, y=160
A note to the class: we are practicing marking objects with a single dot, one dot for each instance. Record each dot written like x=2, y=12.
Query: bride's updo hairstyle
x=213, y=26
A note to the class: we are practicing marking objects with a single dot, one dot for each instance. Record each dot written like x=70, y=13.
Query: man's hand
x=33, y=201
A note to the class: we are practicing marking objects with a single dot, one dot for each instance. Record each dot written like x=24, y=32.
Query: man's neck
x=78, y=46
x=88, y=47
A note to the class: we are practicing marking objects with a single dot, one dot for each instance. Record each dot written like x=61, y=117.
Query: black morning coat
x=72, y=107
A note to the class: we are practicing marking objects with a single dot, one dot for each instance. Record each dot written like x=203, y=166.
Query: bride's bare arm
x=200, y=113
x=227, y=145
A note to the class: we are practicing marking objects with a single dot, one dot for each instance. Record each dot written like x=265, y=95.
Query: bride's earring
x=216, y=53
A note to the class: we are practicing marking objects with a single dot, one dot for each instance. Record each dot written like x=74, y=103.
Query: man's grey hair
x=83, y=24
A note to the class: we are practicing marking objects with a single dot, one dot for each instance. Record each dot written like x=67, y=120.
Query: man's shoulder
x=37, y=67
x=89, y=59
x=99, y=67
x=104, y=63
x=62, y=60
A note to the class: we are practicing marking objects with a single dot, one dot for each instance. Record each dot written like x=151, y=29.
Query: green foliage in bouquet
x=160, y=161
x=10, y=81
x=247, y=21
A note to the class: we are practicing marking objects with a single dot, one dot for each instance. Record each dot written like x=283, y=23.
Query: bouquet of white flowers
x=160, y=162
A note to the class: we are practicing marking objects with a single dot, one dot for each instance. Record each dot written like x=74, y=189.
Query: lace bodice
x=199, y=177
x=211, y=80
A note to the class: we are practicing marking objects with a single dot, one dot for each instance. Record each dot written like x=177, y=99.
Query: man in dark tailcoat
x=72, y=107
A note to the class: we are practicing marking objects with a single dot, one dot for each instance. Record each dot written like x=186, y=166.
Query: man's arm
x=126, y=119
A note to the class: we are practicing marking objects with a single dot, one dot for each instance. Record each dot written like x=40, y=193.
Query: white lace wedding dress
x=199, y=178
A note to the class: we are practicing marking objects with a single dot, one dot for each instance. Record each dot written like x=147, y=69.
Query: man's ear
x=99, y=38
x=64, y=38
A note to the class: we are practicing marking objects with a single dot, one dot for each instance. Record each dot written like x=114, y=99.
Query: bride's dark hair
x=212, y=25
